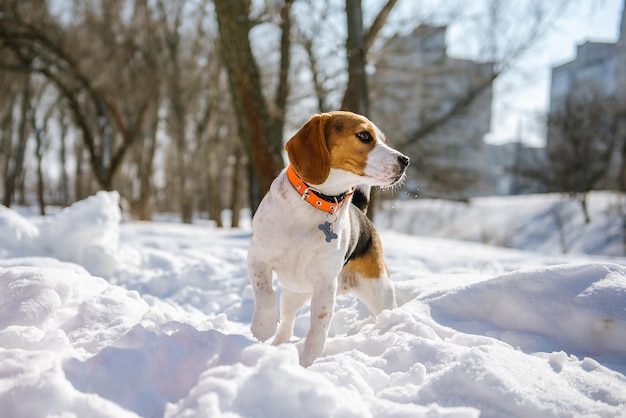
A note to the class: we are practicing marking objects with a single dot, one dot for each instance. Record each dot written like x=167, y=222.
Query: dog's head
x=348, y=143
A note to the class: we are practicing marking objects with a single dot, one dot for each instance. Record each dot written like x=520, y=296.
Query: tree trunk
x=622, y=206
x=177, y=119
x=65, y=183
x=213, y=186
x=143, y=207
x=282, y=89
x=6, y=139
x=253, y=118
x=356, y=98
x=79, y=188
x=40, y=182
x=318, y=87
x=16, y=164
x=622, y=136
x=582, y=198
x=234, y=205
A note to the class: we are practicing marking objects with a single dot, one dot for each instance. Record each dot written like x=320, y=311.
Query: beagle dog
x=312, y=231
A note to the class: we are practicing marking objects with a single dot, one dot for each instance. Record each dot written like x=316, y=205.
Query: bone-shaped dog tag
x=327, y=229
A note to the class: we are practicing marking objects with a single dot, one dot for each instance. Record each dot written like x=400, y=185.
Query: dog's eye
x=365, y=137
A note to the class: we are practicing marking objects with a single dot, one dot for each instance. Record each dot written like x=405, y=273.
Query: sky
x=522, y=96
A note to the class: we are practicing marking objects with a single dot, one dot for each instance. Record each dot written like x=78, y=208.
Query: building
x=507, y=168
x=594, y=71
x=415, y=85
x=596, y=75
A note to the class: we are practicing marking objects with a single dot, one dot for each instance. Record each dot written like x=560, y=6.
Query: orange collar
x=330, y=204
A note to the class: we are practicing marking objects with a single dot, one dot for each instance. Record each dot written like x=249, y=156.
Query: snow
x=104, y=317
x=549, y=223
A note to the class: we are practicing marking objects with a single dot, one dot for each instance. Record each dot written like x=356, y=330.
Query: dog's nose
x=404, y=160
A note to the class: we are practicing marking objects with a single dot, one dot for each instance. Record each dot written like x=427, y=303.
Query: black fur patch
x=360, y=199
x=361, y=236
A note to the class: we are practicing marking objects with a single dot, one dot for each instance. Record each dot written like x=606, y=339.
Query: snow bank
x=50, y=310
x=546, y=223
x=165, y=363
x=33, y=384
x=55, y=305
x=577, y=308
x=86, y=233
x=15, y=231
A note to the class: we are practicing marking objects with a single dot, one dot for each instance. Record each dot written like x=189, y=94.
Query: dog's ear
x=308, y=150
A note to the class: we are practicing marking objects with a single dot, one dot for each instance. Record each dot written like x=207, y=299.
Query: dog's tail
x=361, y=197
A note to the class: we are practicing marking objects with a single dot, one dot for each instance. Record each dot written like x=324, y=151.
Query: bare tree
x=94, y=65
x=141, y=86
x=584, y=135
x=358, y=42
x=259, y=129
x=16, y=150
x=181, y=80
x=356, y=97
x=40, y=117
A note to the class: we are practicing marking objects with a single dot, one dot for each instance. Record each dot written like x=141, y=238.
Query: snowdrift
x=548, y=223
x=107, y=319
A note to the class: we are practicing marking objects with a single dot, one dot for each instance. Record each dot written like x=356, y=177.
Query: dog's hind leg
x=376, y=293
x=290, y=304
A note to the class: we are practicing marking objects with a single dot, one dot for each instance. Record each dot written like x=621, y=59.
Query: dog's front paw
x=313, y=348
x=308, y=356
x=264, y=322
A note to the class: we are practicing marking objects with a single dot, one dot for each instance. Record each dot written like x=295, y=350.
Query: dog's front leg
x=265, y=317
x=322, y=306
x=290, y=303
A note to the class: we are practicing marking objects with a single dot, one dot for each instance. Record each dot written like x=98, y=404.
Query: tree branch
x=378, y=23
x=282, y=90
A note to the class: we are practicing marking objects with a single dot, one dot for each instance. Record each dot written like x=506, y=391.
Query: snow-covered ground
x=546, y=223
x=105, y=318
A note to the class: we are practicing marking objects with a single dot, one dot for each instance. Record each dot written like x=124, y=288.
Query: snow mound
x=50, y=310
x=86, y=233
x=89, y=233
x=61, y=308
x=165, y=362
x=33, y=384
x=576, y=308
x=15, y=231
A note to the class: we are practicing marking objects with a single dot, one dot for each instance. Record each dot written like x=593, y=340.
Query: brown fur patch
x=329, y=140
x=348, y=280
x=370, y=265
x=338, y=126
x=308, y=150
x=347, y=152
x=367, y=267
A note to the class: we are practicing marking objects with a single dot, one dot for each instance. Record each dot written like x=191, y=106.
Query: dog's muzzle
x=401, y=167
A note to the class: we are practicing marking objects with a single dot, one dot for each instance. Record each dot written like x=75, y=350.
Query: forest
x=183, y=106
